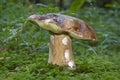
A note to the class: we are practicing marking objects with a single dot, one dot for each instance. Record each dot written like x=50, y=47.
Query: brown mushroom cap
x=59, y=23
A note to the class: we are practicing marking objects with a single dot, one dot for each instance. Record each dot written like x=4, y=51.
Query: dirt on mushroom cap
x=59, y=23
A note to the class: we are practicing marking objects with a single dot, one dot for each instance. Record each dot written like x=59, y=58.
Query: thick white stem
x=60, y=51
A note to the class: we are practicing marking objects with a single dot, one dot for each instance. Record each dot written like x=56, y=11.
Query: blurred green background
x=24, y=46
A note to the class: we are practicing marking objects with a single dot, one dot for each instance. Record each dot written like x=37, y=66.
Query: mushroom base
x=60, y=51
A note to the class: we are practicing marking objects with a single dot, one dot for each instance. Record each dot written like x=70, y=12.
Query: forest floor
x=24, y=47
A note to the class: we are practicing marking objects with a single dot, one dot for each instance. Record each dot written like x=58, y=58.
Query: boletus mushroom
x=62, y=30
